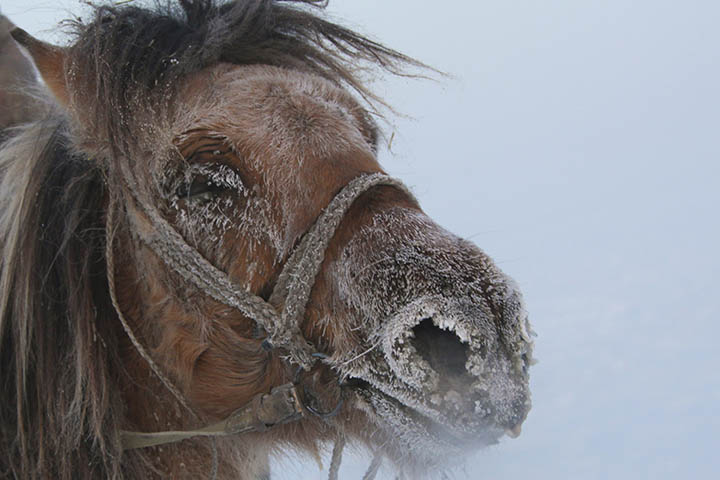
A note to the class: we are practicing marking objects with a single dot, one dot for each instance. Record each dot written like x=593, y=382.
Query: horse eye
x=199, y=188
x=204, y=183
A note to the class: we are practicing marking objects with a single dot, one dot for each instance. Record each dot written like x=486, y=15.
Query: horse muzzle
x=452, y=354
x=445, y=364
x=448, y=361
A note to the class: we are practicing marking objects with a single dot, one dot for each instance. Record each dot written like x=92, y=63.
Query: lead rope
x=336, y=458
x=110, y=261
x=374, y=467
x=337, y=453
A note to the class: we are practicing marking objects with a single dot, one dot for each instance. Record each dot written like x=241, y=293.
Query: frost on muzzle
x=447, y=336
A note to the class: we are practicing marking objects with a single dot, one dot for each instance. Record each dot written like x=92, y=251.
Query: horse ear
x=49, y=60
x=16, y=74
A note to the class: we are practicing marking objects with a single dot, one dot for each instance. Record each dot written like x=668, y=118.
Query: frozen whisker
x=357, y=357
x=374, y=264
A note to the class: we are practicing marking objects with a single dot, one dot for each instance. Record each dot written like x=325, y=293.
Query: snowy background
x=578, y=143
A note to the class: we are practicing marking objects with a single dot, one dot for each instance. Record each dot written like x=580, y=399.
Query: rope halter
x=280, y=317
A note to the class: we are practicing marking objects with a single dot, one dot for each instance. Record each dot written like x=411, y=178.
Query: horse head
x=211, y=222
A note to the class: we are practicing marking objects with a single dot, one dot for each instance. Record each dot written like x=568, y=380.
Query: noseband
x=280, y=317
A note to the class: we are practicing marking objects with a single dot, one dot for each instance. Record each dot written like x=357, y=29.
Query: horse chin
x=417, y=441
x=418, y=433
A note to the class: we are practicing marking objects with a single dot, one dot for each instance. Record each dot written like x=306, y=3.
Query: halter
x=280, y=317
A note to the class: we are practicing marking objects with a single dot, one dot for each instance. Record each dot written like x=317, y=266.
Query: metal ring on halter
x=316, y=355
x=312, y=410
x=326, y=415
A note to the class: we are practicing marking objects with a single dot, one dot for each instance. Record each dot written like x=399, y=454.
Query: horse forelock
x=127, y=59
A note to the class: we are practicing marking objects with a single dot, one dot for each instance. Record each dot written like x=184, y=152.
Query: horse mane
x=62, y=408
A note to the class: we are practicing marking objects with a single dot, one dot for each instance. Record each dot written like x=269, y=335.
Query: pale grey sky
x=578, y=145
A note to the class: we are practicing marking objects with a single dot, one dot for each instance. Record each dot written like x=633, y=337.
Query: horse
x=204, y=265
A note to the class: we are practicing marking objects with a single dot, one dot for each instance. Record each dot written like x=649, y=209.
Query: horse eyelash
x=207, y=215
x=223, y=177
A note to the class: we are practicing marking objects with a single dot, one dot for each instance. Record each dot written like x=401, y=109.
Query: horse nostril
x=442, y=349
